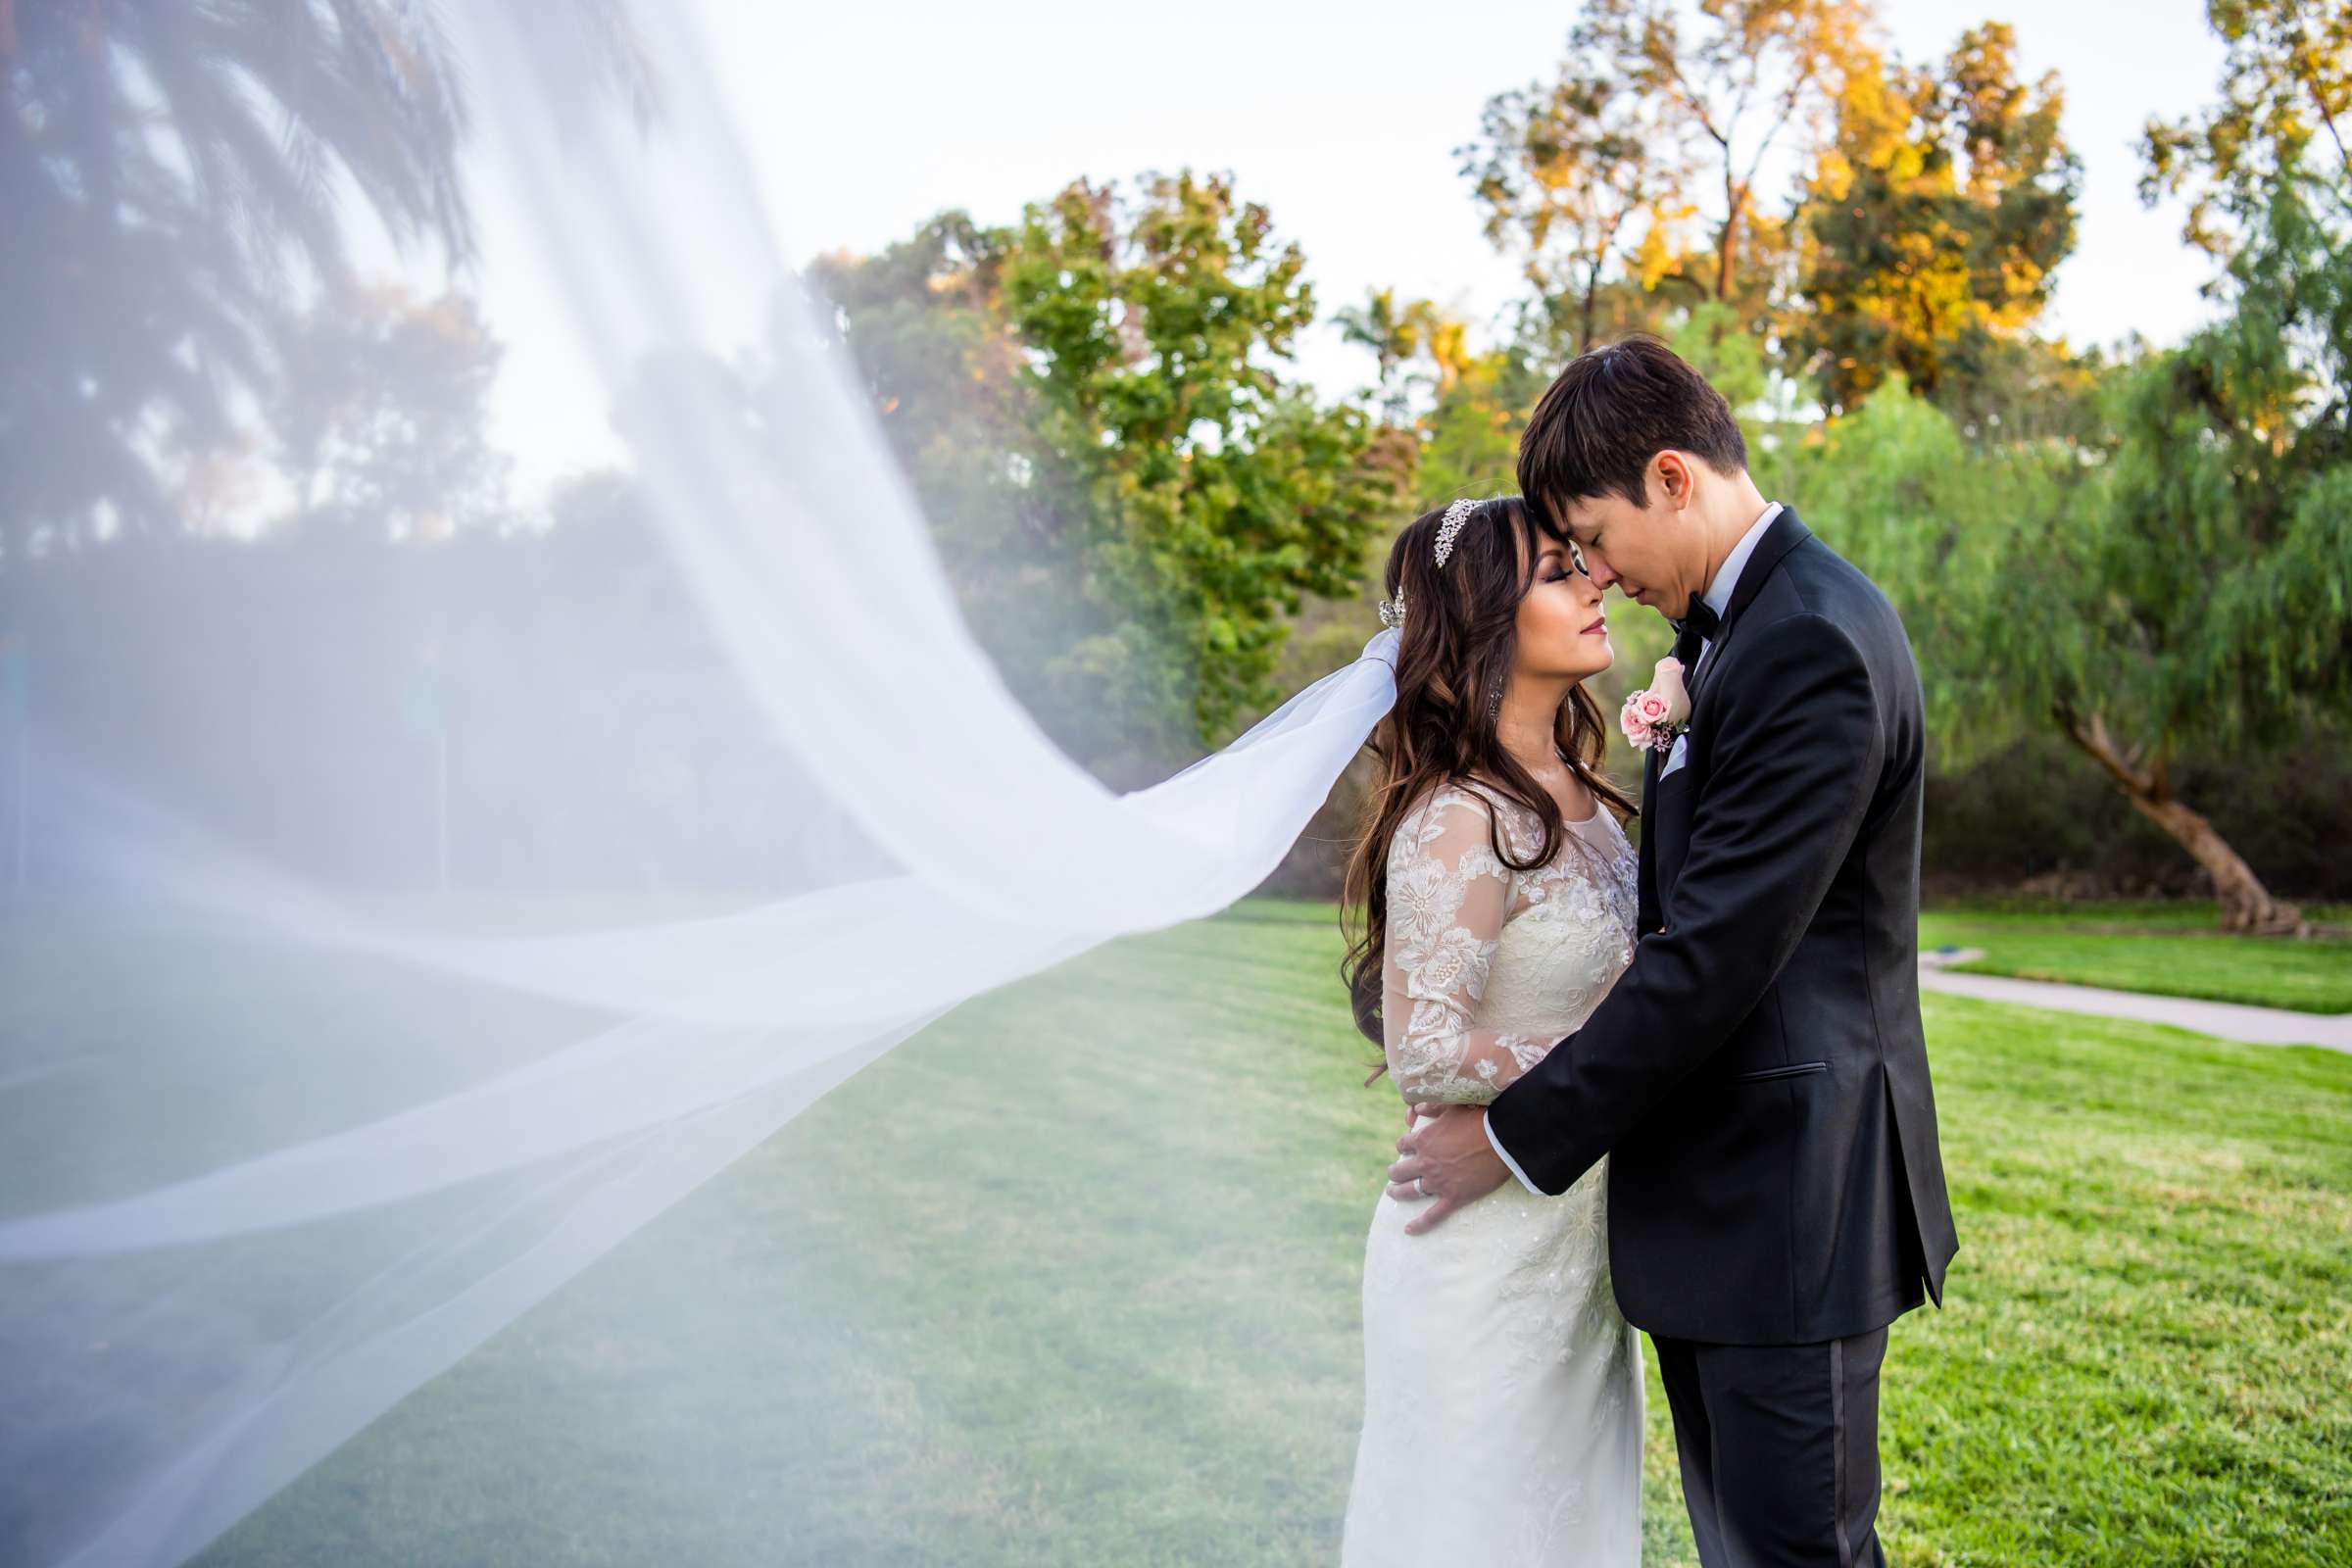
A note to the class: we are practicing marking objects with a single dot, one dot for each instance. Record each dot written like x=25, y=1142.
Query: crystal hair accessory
x=1391, y=612
x=1458, y=512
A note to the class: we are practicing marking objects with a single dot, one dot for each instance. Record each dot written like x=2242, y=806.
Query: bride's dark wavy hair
x=1454, y=657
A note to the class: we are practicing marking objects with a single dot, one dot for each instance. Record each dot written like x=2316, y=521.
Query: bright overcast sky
x=1342, y=119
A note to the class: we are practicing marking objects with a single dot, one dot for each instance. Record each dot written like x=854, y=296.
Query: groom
x=1758, y=1077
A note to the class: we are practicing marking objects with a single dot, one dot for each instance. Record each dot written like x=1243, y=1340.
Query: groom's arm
x=1796, y=754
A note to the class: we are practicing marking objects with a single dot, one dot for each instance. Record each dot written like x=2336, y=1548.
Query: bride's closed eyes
x=1575, y=561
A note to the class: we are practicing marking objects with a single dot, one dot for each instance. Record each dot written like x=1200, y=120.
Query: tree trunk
x=2246, y=904
x=1735, y=200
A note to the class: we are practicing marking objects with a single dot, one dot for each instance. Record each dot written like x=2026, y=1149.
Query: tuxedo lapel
x=1783, y=534
x=1661, y=862
x=1648, y=913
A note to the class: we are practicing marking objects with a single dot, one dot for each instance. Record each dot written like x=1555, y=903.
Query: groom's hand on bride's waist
x=1444, y=1162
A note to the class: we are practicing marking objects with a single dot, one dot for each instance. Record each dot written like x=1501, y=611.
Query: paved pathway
x=2228, y=1020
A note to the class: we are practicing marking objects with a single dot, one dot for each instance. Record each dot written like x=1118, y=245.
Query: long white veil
x=281, y=1146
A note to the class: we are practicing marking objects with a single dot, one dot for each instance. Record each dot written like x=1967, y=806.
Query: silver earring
x=1494, y=706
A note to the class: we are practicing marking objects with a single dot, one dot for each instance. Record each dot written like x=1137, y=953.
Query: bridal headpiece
x=1458, y=514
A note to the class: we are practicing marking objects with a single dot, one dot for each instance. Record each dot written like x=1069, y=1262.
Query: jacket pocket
x=1793, y=1069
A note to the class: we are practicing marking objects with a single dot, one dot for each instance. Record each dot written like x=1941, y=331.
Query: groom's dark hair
x=1613, y=409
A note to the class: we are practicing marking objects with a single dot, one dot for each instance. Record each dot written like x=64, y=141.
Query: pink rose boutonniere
x=1655, y=715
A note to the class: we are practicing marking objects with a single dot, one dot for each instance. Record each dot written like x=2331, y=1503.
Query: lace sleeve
x=1448, y=896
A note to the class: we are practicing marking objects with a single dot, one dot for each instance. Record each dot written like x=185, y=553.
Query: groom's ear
x=1669, y=472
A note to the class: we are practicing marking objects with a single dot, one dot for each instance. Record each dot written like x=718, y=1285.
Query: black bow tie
x=1700, y=620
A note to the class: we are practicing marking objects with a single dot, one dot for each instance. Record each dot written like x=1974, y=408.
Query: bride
x=1503, y=1389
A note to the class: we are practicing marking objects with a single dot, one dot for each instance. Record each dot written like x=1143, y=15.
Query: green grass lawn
x=1072, y=1279
x=2173, y=949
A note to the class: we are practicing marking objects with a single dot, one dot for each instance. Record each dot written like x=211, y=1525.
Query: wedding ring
x=1419, y=1191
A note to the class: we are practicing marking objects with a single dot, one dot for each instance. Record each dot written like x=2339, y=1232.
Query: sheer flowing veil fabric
x=245, y=1214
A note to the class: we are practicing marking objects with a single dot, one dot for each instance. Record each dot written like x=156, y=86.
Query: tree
x=1093, y=416
x=946, y=372
x=2286, y=108
x=166, y=169
x=2212, y=596
x=170, y=175
x=382, y=411
x=2238, y=450
x=2184, y=586
x=1938, y=215
x=1580, y=178
x=1397, y=335
x=2175, y=574
x=1469, y=439
x=1220, y=493
x=1738, y=80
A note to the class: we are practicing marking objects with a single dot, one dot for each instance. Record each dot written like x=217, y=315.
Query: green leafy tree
x=2231, y=482
x=948, y=375
x=1470, y=435
x=1712, y=337
x=2184, y=587
x=1138, y=503
x=1938, y=217
x=2214, y=594
x=1219, y=495
x=1941, y=523
x=2026, y=387
x=164, y=169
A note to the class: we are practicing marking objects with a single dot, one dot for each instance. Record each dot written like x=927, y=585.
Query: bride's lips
x=1600, y=625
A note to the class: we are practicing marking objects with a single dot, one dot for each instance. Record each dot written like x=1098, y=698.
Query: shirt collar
x=1718, y=596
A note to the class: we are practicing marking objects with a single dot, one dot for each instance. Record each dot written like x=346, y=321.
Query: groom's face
x=1638, y=546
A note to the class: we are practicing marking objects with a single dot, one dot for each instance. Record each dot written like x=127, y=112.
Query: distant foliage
x=1935, y=220
x=1092, y=407
x=172, y=185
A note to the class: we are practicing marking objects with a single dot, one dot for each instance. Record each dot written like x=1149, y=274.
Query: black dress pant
x=1780, y=1449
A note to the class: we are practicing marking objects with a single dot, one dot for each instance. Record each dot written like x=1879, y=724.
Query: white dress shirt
x=1718, y=598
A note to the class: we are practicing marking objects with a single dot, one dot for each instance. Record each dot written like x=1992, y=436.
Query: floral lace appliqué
x=1451, y=901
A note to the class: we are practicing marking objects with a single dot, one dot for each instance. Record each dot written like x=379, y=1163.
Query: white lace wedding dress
x=1502, y=1392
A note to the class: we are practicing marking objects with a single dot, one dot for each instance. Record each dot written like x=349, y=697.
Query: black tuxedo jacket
x=1758, y=1076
